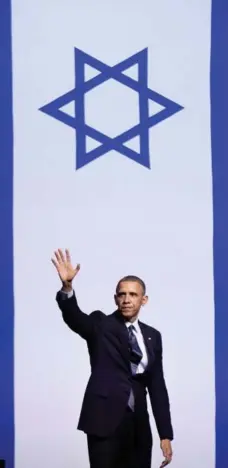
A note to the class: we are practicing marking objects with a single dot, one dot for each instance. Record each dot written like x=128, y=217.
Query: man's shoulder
x=149, y=328
x=97, y=315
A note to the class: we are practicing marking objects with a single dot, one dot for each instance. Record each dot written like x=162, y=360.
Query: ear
x=115, y=299
x=145, y=300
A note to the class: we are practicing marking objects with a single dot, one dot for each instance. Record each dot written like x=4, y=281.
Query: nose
x=126, y=299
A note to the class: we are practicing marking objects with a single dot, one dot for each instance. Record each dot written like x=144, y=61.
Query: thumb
x=76, y=270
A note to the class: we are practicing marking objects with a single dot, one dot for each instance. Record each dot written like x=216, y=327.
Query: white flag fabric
x=114, y=146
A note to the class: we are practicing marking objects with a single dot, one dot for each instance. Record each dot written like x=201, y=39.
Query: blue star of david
x=117, y=143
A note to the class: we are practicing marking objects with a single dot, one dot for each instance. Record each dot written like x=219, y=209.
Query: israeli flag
x=114, y=145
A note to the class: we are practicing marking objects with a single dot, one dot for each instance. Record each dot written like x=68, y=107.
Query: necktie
x=135, y=358
x=135, y=351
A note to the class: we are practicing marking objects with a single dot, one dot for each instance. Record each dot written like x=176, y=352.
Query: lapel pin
x=149, y=338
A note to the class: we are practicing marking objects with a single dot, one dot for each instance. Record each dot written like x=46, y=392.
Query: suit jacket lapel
x=122, y=335
x=149, y=342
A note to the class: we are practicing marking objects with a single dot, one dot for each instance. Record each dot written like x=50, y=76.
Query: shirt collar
x=135, y=324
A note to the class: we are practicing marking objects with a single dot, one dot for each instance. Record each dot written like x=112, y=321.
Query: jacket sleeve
x=159, y=396
x=79, y=322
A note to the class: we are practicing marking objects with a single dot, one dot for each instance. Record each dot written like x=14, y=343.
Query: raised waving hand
x=64, y=267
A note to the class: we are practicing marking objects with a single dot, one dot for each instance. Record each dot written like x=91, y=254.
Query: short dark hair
x=132, y=278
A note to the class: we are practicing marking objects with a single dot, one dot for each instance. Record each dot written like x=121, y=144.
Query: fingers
x=164, y=463
x=167, y=461
x=167, y=452
x=54, y=263
x=60, y=261
x=168, y=456
x=68, y=256
x=60, y=256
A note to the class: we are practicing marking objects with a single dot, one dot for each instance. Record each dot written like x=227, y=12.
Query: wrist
x=67, y=286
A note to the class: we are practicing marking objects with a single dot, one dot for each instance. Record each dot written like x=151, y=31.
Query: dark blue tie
x=135, y=351
x=135, y=358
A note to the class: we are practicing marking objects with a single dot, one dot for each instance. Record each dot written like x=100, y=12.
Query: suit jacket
x=111, y=380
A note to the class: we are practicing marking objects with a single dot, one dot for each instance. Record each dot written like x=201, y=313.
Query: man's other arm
x=159, y=396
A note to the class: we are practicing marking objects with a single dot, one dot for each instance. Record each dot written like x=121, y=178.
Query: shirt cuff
x=66, y=295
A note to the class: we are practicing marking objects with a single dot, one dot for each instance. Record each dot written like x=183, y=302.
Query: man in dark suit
x=126, y=362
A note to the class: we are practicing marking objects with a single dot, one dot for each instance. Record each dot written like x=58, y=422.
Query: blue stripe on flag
x=219, y=135
x=6, y=242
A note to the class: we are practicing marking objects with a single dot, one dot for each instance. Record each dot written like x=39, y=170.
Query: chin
x=128, y=314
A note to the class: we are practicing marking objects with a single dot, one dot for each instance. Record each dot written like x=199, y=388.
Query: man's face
x=129, y=299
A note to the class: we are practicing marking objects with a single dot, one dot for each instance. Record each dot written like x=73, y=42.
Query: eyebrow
x=124, y=292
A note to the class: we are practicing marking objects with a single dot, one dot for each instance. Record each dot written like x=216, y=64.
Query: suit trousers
x=129, y=447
